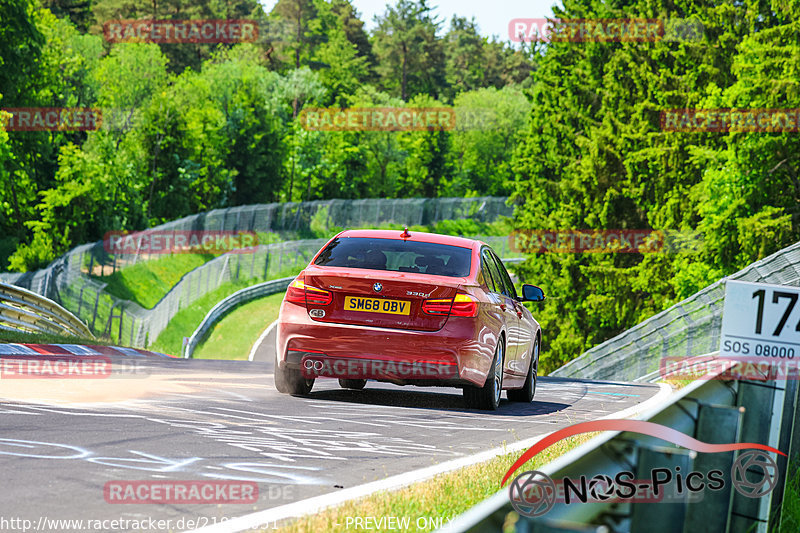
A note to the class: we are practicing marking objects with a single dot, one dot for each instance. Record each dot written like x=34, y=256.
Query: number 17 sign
x=760, y=320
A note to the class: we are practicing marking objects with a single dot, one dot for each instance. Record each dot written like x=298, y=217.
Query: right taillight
x=302, y=294
x=464, y=305
x=461, y=305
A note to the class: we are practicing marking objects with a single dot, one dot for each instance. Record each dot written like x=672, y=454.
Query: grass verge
x=170, y=341
x=22, y=337
x=234, y=335
x=442, y=497
x=148, y=281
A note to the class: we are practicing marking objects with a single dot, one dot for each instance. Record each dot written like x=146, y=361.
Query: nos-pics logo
x=754, y=473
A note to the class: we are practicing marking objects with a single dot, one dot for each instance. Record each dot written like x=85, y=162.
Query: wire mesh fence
x=688, y=328
x=75, y=280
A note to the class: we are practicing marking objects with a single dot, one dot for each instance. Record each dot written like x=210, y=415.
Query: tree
x=464, y=50
x=298, y=88
x=299, y=30
x=594, y=156
x=427, y=161
x=247, y=95
x=181, y=55
x=353, y=28
x=410, y=56
x=489, y=127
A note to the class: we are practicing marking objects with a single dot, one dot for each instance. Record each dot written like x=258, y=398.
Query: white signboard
x=760, y=320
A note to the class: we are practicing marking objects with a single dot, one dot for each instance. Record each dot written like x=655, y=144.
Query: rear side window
x=397, y=256
x=498, y=279
x=486, y=260
x=508, y=285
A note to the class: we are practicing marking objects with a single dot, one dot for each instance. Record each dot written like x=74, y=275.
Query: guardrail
x=689, y=327
x=228, y=304
x=715, y=411
x=75, y=279
x=23, y=310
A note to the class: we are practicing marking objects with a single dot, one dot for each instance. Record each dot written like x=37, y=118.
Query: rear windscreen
x=397, y=256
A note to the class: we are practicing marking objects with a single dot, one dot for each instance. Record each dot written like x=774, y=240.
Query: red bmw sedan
x=409, y=308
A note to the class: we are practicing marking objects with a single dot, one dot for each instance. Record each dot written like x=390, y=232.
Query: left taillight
x=302, y=294
x=461, y=305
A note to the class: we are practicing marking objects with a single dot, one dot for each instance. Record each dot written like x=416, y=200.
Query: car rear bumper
x=450, y=356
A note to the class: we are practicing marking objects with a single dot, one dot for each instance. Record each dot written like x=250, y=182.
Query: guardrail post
x=80, y=301
x=717, y=425
x=94, y=313
x=793, y=460
x=756, y=398
x=787, y=430
x=660, y=517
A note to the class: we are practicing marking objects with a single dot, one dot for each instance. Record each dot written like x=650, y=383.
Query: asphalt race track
x=156, y=419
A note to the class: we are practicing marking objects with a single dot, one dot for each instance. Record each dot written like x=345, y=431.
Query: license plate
x=377, y=305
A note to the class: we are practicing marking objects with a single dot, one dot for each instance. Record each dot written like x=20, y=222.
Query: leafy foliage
x=570, y=130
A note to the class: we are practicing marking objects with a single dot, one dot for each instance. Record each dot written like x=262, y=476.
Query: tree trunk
x=403, y=95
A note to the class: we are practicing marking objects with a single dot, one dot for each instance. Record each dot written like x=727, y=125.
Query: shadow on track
x=432, y=400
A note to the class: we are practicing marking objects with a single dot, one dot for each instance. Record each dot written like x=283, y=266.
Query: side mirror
x=532, y=293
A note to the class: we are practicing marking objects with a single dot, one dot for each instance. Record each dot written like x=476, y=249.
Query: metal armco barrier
x=686, y=329
x=75, y=280
x=23, y=310
x=713, y=411
x=229, y=304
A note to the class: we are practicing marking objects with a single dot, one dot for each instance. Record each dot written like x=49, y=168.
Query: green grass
x=147, y=282
x=790, y=509
x=22, y=337
x=445, y=496
x=234, y=335
x=183, y=324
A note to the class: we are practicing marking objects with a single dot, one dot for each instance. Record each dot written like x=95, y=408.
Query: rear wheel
x=291, y=381
x=525, y=394
x=356, y=384
x=488, y=396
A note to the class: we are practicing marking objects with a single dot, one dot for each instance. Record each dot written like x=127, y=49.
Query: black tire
x=291, y=381
x=355, y=384
x=488, y=397
x=525, y=394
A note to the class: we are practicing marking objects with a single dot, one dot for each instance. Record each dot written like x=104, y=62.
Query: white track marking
x=260, y=340
x=325, y=501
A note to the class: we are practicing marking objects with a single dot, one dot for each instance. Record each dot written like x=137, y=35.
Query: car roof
x=416, y=236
